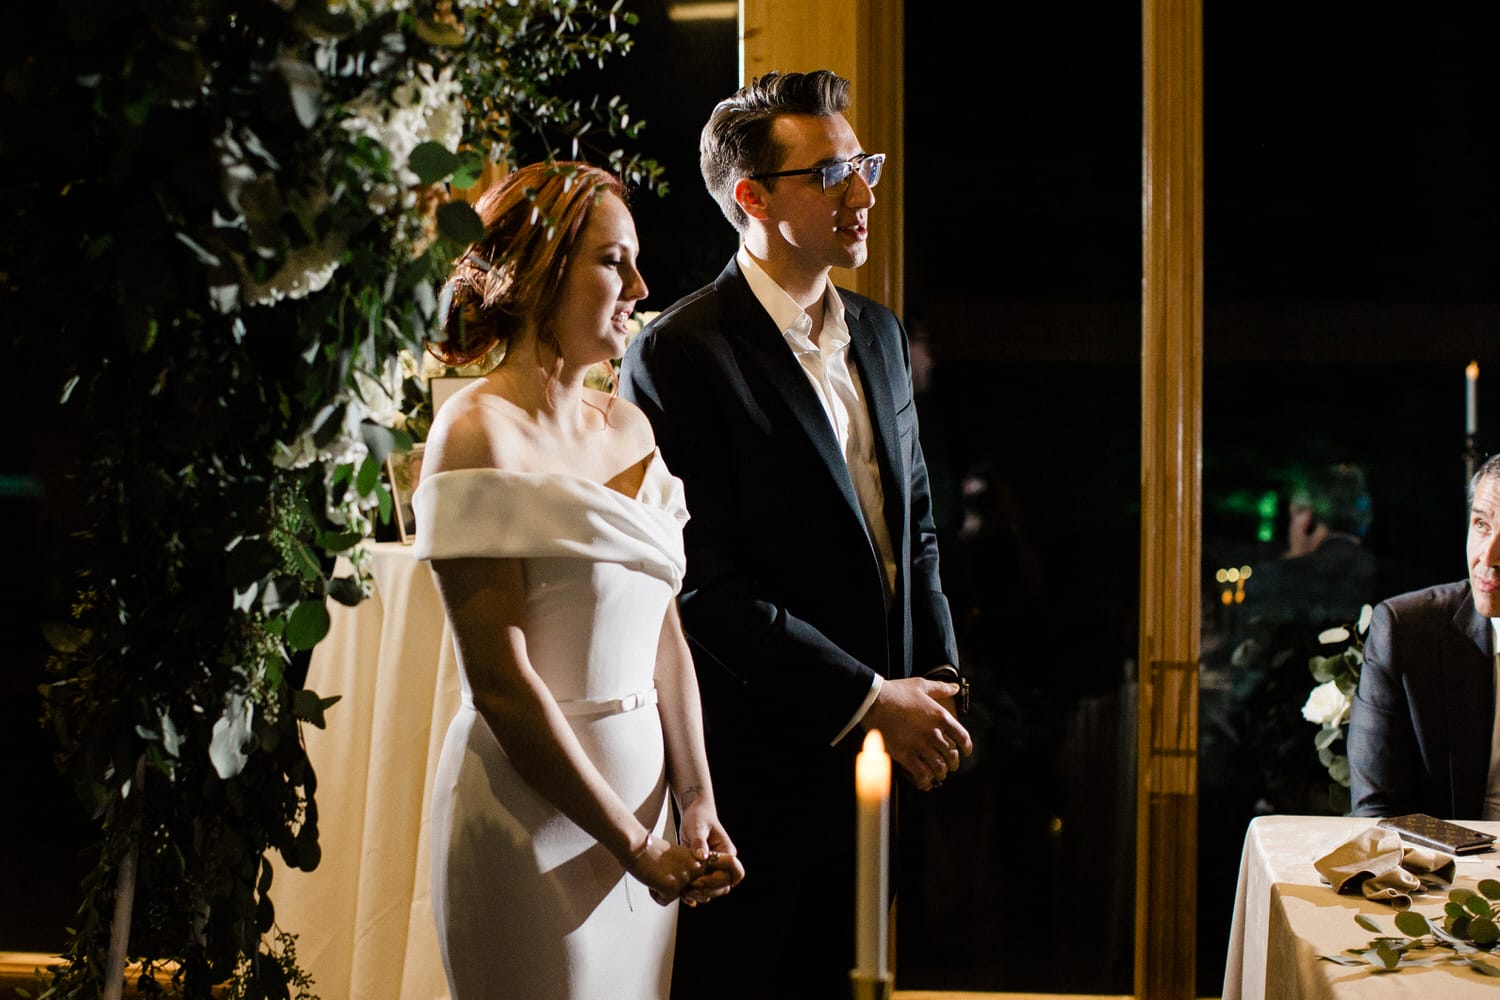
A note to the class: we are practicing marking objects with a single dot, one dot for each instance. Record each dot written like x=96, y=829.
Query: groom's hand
x=921, y=734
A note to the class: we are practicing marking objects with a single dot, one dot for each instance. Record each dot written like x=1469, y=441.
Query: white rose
x=1327, y=705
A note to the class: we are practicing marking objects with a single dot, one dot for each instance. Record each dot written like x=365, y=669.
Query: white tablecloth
x=1285, y=916
x=364, y=916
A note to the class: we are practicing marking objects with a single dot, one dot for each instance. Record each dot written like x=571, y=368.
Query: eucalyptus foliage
x=228, y=223
x=1468, y=931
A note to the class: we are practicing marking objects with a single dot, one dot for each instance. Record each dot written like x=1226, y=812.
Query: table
x=1285, y=916
x=364, y=916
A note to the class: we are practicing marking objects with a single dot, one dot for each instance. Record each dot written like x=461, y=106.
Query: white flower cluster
x=426, y=108
x=304, y=271
x=376, y=398
x=368, y=8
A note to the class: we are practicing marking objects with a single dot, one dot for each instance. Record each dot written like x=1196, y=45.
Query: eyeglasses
x=835, y=176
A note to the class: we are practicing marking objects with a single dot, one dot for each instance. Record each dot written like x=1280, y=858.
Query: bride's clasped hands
x=702, y=868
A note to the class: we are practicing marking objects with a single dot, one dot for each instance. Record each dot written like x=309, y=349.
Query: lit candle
x=1471, y=398
x=872, y=786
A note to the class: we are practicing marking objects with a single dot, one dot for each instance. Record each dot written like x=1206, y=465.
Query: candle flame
x=872, y=769
x=1472, y=371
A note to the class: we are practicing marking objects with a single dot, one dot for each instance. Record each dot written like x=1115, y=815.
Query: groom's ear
x=751, y=197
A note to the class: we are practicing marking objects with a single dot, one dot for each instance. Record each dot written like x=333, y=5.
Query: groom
x=812, y=599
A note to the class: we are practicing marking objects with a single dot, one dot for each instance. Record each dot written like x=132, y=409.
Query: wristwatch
x=949, y=674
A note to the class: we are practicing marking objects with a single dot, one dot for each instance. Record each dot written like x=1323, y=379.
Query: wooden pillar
x=1171, y=467
x=864, y=41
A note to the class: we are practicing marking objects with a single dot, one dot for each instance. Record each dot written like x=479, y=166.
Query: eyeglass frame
x=854, y=163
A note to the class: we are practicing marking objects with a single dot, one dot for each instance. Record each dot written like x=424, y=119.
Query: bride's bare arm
x=687, y=763
x=485, y=602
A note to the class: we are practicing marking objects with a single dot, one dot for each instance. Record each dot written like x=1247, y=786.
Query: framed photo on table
x=403, y=470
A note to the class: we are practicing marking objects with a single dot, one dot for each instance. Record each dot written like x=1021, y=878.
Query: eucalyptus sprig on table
x=1469, y=928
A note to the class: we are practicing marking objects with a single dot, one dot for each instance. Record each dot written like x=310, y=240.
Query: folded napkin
x=1376, y=862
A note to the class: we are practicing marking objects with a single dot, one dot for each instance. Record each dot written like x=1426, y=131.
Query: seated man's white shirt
x=1492, y=791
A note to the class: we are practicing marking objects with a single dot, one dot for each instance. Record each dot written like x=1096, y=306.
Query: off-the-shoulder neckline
x=652, y=458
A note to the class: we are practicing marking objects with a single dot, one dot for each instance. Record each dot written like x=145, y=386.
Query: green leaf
x=1478, y=905
x=1322, y=668
x=1411, y=923
x=470, y=168
x=304, y=89
x=307, y=625
x=1482, y=930
x=338, y=541
x=308, y=707
x=204, y=256
x=457, y=221
x=64, y=638
x=1326, y=737
x=369, y=475
x=1367, y=923
x=346, y=590
x=440, y=33
x=327, y=424
x=1483, y=966
x=304, y=560
x=1343, y=960
x=1383, y=956
x=1490, y=888
x=1459, y=895
x=431, y=162
x=265, y=916
x=387, y=504
x=379, y=440
x=280, y=592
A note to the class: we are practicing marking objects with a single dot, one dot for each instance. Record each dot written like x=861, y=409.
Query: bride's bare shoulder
x=630, y=424
x=476, y=429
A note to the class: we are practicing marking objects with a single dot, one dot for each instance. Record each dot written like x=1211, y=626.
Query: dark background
x=1352, y=269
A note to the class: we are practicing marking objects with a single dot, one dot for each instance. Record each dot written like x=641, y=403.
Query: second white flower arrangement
x=1328, y=704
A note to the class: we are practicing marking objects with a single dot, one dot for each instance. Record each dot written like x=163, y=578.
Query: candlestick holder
x=870, y=987
x=1471, y=456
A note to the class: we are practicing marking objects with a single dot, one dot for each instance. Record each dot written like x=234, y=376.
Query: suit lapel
x=764, y=348
x=1468, y=667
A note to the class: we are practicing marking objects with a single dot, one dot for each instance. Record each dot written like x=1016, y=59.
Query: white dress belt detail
x=609, y=706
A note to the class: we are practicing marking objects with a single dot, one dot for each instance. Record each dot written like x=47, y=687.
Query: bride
x=555, y=535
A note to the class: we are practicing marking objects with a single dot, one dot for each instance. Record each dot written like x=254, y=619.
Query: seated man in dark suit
x=1422, y=728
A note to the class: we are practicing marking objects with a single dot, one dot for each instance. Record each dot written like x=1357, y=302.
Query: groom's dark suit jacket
x=1421, y=724
x=785, y=609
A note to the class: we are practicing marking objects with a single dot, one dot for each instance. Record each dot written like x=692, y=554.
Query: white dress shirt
x=837, y=385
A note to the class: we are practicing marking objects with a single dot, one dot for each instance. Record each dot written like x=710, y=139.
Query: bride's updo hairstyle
x=532, y=218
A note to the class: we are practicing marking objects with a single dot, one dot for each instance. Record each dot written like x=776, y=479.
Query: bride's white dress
x=527, y=904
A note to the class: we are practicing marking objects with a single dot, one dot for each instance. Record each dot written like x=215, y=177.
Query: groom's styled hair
x=737, y=141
